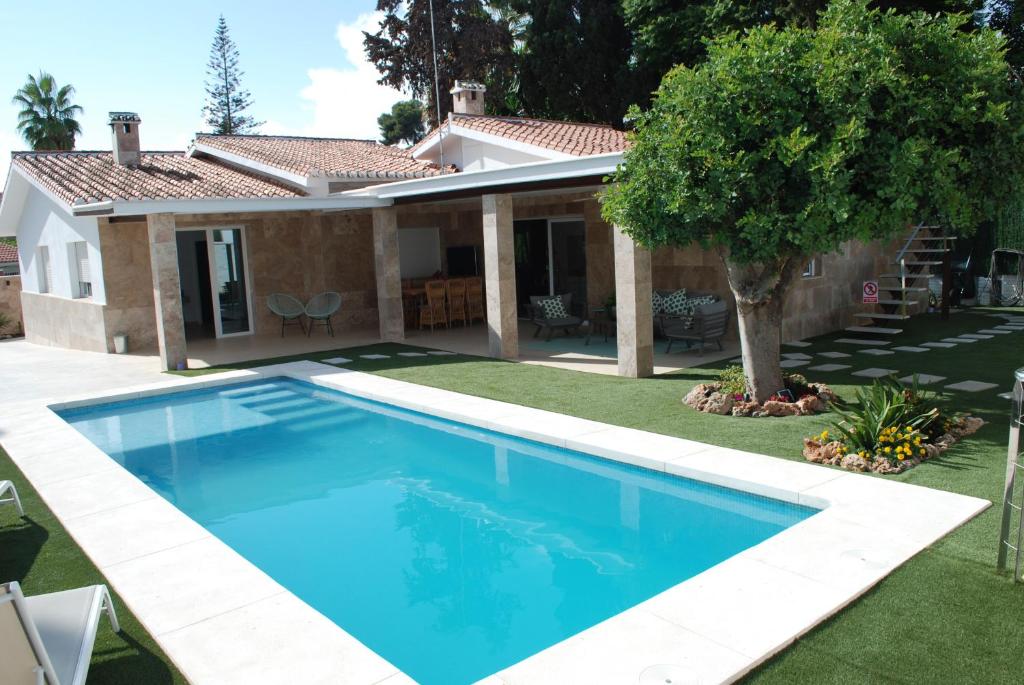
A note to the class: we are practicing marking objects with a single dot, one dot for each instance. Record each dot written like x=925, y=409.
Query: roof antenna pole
x=437, y=87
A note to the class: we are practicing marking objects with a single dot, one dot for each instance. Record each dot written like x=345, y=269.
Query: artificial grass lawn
x=37, y=552
x=945, y=616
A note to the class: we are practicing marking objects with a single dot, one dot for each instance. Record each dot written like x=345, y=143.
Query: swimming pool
x=451, y=551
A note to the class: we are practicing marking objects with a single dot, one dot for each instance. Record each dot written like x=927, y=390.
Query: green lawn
x=945, y=616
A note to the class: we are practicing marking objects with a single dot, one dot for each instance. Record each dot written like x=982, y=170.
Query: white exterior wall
x=45, y=222
x=478, y=155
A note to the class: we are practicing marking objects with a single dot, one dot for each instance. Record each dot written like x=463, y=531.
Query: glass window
x=811, y=269
x=80, y=257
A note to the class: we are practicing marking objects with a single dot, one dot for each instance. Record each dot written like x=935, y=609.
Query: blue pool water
x=451, y=551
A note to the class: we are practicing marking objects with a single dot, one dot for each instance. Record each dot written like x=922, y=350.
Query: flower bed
x=892, y=429
x=728, y=396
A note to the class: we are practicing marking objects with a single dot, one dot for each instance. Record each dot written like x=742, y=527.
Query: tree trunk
x=760, y=291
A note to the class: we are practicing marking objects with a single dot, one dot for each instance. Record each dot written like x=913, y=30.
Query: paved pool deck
x=222, y=620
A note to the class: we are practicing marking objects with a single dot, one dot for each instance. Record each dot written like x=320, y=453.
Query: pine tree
x=226, y=100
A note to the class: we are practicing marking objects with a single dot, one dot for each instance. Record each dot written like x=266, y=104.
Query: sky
x=304, y=65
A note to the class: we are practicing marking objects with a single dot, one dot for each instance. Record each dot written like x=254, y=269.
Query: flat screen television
x=463, y=261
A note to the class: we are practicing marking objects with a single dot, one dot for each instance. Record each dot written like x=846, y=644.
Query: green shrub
x=732, y=381
x=888, y=420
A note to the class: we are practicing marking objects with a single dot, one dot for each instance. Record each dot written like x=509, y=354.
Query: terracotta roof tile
x=8, y=253
x=561, y=136
x=84, y=177
x=335, y=157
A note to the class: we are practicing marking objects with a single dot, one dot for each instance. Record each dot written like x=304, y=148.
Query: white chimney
x=125, y=128
x=468, y=97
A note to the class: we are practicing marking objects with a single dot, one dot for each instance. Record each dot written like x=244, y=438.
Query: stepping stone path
x=957, y=341
x=862, y=341
x=796, y=355
x=993, y=331
x=834, y=355
x=971, y=386
x=876, y=352
x=977, y=336
x=966, y=339
x=922, y=379
x=829, y=367
x=412, y=354
x=908, y=348
x=337, y=360
x=797, y=343
x=375, y=356
x=792, y=363
x=441, y=353
x=944, y=345
x=874, y=373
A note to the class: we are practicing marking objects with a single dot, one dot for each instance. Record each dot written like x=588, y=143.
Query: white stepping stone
x=874, y=373
x=971, y=386
x=1006, y=395
x=797, y=355
x=910, y=348
x=337, y=360
x=412, y=354
x=792, y=363
x=943, y=345
x=994, y=331
x=375, y=356
x=975, y=336
x=862, y=341
x=829, y=367
x=797, y=343
x=876, y=352
x=922, y=379
x=441, y=353
x=1010, y=327
x=834, y=355
x=958, y=340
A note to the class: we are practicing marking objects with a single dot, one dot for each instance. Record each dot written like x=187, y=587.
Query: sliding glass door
x=551, y=258
x=227, y=275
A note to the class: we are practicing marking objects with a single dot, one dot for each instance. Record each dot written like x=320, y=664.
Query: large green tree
x=1007, y=17
x=47, y=119
x=226, y=100
x=574, y=60
x=403, y=124
x=472, y=44
x=786, y=143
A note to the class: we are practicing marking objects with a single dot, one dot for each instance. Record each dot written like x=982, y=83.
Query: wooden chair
x=457, y=300
x=475, y=299
x=433, y=312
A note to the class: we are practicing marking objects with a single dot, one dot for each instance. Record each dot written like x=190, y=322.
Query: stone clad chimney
x=468, y=97
x=125, y=128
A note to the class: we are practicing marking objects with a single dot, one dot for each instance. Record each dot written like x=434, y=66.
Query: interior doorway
x=215, y=297
x=551, y=258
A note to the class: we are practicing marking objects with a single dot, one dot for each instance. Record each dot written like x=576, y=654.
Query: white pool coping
x=220, y=619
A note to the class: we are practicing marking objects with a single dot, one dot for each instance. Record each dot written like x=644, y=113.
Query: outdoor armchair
x=551, y=312
x=709, y=324
x=320, y=308
x=288, y=308
x=49, y=638
x=7, y=488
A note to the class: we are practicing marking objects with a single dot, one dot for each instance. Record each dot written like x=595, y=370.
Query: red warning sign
x=870, y=292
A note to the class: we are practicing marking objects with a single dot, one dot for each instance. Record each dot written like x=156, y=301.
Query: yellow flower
x=921, y=452
x=900, y=457
x=888, y=450
x=917, y=440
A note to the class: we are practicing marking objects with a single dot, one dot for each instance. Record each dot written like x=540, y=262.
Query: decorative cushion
x=657, y=303
x=675, y=304
x=553, y=308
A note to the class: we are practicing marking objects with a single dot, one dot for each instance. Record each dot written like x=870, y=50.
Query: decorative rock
x=773, y=408
x=810, y=404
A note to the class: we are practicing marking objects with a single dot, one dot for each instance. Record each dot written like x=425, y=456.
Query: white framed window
x=812, y=269
x=80, y=260
x=45, y=270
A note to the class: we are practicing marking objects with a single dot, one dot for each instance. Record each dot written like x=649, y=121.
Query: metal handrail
x=913, y=236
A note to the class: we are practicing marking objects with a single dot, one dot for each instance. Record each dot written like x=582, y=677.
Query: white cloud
x=345, y=102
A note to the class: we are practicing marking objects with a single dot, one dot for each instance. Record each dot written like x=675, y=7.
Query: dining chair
x=475, y=299
x=433, y=312
x=457, y=300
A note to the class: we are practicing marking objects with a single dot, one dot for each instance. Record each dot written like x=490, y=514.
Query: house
x=170, y=247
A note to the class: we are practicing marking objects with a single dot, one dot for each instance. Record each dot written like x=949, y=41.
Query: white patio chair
x=48, y=639
x=7, y=486
x=320, y=308
x=288, y=308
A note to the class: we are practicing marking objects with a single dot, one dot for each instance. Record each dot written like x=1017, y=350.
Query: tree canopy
x=1007, y=17
x=471, y=44
x=226, y=100
x=47, y=116
x=403, y=124
x=787, y=142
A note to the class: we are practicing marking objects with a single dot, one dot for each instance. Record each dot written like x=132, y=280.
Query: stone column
x=633, y=307
x=500, y=277
x=389, y=274
x=163, y=260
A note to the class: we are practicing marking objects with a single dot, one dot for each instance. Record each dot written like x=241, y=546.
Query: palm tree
x=47, y=118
